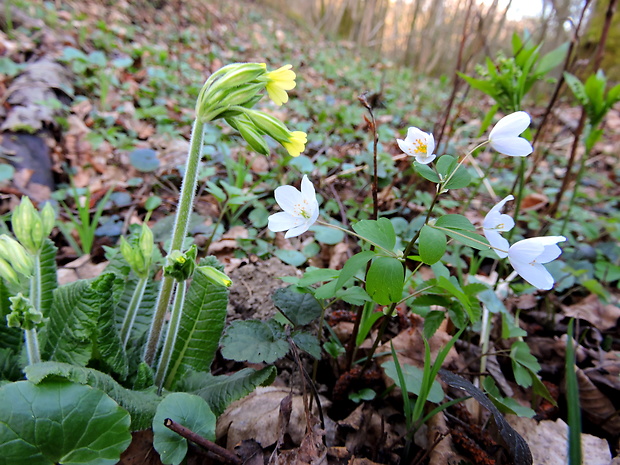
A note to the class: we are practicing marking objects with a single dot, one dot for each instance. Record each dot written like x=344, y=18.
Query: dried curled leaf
x=596, y=405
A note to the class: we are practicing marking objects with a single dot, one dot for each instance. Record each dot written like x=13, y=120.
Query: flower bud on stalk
x=23, y=314
x=139, y=253
x=31, y=227
x=15, y=255
x=180, y=266
x=215, y=276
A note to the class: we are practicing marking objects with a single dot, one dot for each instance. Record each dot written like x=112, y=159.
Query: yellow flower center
x=420, y=146
x=301, y=209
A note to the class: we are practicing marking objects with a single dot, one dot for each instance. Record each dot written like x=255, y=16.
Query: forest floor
x=102, y=97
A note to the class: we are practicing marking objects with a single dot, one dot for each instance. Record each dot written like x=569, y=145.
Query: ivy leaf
x=299, y=308
x=254, y=341
x=60, y=422
x=380, y=232
x=432, y=244
x=385, y=279
x=188, y=410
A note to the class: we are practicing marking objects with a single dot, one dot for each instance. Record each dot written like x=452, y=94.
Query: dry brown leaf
x=534, y=201
x=443, y=453
x=256, y=416
x=595, y=312
x=548, y=439
x=596, y=405
x=81, y=268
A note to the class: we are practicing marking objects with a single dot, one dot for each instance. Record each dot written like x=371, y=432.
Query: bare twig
x=226, y=456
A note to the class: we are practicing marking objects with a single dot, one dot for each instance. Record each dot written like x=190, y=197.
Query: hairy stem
x=30, y=335
x=171, y=336
x=132, y=310
x=179, y=232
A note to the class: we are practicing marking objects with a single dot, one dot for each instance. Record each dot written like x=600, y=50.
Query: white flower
x=418, y=144
x=504, y=137
x=528, y=255
x=496, y=222
x=301, y=209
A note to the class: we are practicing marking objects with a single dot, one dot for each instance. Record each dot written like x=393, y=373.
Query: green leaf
x=291, y=257
x=455, y=290
x=432, y=244
x=432, y=322
x=47, y=261
x=140, y=404
x=469, y=238
x=109, y=343
x=317, y=275
x=458, y=180
x=413, y=380
x=60, y=422
x=188, y=410
x=426, y=172
x=479, y=84
x=445, y=165
x=551, y=59
x=142, y=322
x=201, y=325
x=505, y=404
x=299, y=308
x=254, y=341
x=354, y=295
x=308, y=343
x=352, y=266
x=73, y=320
x=144, y=160
x=220, y=391
x=523, y=362
x=380, y=232
x=577, y=88
x=454, y=221
x=327, y=235
x=385, y=279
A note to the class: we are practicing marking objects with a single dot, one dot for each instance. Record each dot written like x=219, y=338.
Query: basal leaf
x=385, y=279
x=72, y=327
x=432, y=244
x=188, y=410
x=220, y=391
x=201, y=326
x=60, y=422
x=142, y=322
x=140, y=404
x=109, y=343
x=47, y=261
x=380, y=232
x=299, y=308
x=254, y=341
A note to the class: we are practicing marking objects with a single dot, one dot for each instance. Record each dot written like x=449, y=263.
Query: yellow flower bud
x=296, y=143
x=215, y=276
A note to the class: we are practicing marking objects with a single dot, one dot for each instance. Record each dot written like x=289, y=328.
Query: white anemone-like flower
x=301, y=209
x=527, y=258
x=496, y=222
x=418, y=144
x=504, y=137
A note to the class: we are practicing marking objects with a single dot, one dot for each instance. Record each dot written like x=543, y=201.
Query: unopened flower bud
x=251, y=135
x=215, y=276
x=180, y=266
x=31, y=227
x=23, y=314
x=15, y=255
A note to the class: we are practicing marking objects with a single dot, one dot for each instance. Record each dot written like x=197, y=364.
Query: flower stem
x=186, y=200
x=30, y=335
x=132, y=311
x=171, y=336
x=519, y=196
x=32, y=346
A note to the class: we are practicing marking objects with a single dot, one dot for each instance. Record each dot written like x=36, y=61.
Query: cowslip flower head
x=300, y=209
x=296, y=143
x=528, y=256
x=418, y=144
x=504, y=137
x=278, y=82
x=496, y=222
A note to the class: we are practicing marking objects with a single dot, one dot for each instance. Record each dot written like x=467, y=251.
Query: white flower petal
x=414, y=134
x=536, y=274
x=280, y=221
x=510, y=125
x=297, y=230
x=512, y=146
x=307, y=189
x=406, y=147
x=424, y=159
x=430, y=144
x=287, y=197
x=497, y=242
